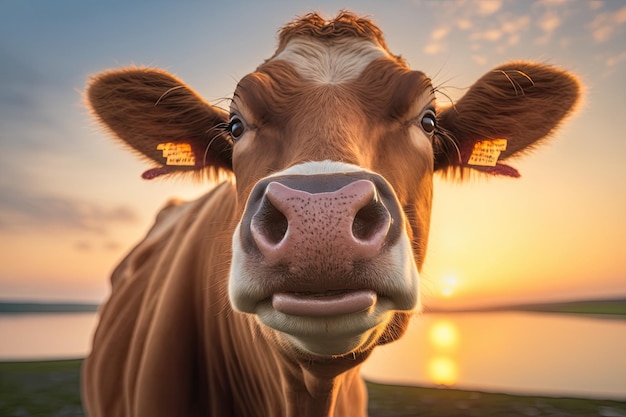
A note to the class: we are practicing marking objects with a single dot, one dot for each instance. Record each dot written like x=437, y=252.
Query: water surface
x=527, y=353
x=46, y=336
x=513, y=352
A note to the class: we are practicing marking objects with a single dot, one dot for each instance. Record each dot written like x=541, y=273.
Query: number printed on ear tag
x=179, y=154
x=487, y=152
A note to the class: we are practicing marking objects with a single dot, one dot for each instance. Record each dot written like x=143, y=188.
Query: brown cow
x=263, y=297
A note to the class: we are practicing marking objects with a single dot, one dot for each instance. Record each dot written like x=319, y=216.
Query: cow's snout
x=351, y=220
x=322, y=250
x=328, y=222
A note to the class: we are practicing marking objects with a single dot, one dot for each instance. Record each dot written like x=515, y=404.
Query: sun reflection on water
x=444, y=340
x=443, y=370
x=443, y=334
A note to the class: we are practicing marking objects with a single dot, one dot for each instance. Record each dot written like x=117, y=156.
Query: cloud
x=439, y=33
x=35, y=112
x=89, y=246
x=488, y=7
x=548, y=23
x=595, y=4
x=615, y=60
x=83, y=246
x=20, y=211
x=507, y=34
x=18, y=91
x=486, y=24
x=112, y=246
x=436, y=43
x=605, y=25
x=479, y=59
x=515, y=24
x=513, y=40
x=464, y=24
x=553, y=2
x=434, y=48
x=491, y=35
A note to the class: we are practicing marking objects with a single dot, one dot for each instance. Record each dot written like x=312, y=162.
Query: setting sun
x=448, y=286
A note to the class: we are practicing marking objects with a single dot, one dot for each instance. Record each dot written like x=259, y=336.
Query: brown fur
x=523, y=102
x=168, y=342
x=119, y=96
x=344, y=25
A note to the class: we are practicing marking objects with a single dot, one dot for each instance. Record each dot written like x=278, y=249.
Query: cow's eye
x=236, y=127
x=428, y=121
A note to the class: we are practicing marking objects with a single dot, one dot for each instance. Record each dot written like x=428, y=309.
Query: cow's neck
x=254, y=376
x=320, y=390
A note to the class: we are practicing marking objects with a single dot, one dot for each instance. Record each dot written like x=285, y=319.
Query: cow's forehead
x=354, y=74
x=336, y=61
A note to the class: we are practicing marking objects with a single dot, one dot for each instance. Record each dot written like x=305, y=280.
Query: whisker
x=516, y=85
x=446, y=141
x=444, y=134
x=508, y=78
x=452, y=103
x=523, y=74
x=218, y=101
x=167, y=92
x=220, y=126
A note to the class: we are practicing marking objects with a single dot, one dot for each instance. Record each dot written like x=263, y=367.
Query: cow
x=264, y=296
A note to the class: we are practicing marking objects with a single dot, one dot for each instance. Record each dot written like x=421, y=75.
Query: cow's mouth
x=328, y=303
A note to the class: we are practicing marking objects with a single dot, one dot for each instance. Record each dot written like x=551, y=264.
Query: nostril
x=270, y=223
x=370, y=220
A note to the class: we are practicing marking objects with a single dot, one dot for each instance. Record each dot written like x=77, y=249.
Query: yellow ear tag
x=178, y=154
x=487, y=152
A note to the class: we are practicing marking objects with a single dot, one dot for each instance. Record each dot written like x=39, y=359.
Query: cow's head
x=333, y=143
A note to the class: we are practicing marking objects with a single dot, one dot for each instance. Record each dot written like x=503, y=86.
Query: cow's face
x=333, y=154
x=333, y=143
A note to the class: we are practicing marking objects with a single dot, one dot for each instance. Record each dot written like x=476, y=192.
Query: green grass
x=51, y=389
x=40, y=389
x=402, y=401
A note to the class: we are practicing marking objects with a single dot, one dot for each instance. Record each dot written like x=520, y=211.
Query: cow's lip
x=320, y=304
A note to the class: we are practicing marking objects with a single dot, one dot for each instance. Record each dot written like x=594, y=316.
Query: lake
x=46, y=336
x=513, y=352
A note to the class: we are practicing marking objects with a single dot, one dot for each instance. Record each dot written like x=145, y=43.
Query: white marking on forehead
x=334, y=62
x=319, y=167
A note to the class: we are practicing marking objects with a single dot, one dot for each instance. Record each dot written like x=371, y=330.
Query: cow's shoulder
x=173, y=224
x=154, y=285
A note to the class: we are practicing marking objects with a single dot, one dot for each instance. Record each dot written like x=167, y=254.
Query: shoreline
x=610, y=307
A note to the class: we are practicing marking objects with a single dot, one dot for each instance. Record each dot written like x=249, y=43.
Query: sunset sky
x=72, y=202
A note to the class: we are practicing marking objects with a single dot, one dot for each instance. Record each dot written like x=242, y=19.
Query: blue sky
x=72, y=201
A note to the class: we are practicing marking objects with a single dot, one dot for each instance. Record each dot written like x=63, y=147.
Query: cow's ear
x=505, y=113
x=162, y=119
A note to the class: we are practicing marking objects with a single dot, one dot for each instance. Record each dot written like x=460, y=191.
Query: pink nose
x=308, y=230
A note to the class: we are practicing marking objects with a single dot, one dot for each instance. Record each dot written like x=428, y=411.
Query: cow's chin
x=348, y=319
x=329, y=336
